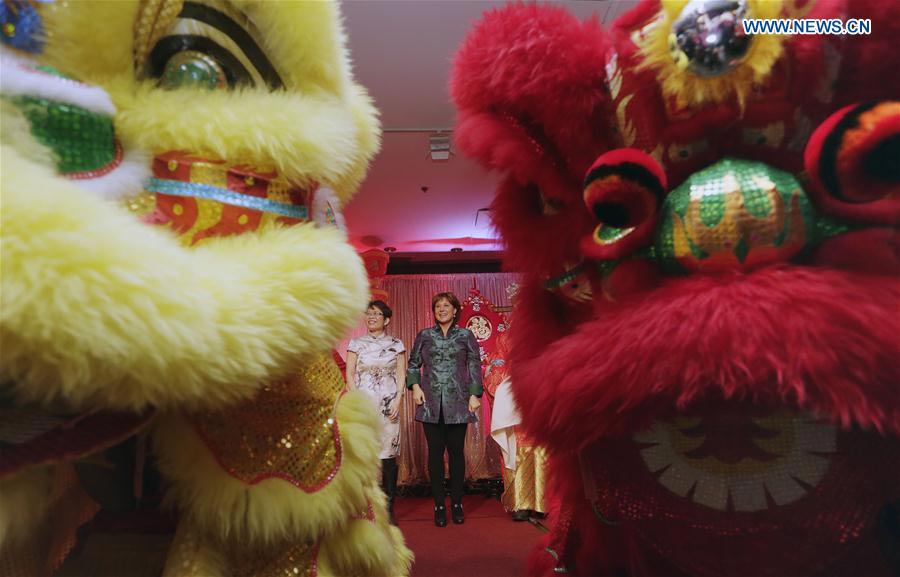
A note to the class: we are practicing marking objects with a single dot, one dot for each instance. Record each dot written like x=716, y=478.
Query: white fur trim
x=19, y=78
x=125, y=180
x=323, y=199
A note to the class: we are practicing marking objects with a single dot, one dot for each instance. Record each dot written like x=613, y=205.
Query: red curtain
x=409, y=296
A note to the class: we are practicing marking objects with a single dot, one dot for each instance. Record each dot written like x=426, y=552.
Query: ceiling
x=402, y=52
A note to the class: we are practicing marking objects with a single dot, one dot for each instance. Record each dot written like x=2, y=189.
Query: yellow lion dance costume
x=236, y=129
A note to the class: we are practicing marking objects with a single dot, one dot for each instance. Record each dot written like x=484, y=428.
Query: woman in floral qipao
x=373, y=363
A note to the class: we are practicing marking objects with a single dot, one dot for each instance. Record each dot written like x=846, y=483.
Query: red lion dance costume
x=707, y=337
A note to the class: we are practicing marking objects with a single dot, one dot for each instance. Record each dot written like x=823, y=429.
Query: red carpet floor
x=488, y=544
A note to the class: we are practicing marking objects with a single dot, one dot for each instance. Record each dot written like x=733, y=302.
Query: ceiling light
x=439, y=147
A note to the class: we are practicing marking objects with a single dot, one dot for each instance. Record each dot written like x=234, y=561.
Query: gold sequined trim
x=195, y=554
x=153, y=19
x=287, y=431
x=297, y=560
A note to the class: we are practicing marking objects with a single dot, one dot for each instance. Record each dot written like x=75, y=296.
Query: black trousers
x=452, y=438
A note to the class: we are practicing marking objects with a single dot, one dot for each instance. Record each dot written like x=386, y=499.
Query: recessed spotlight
x=456, y=249
x=390, y=249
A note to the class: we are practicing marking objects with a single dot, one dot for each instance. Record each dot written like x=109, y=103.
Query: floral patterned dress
x=376, y=376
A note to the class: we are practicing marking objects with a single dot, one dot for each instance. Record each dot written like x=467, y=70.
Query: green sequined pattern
x=610, y=233
x=735, y=214
x=82, y=140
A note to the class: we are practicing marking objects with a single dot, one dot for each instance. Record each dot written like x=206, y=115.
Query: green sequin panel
x=609, y=234
x=664, y=245
x=82, y=140
x=733, y=211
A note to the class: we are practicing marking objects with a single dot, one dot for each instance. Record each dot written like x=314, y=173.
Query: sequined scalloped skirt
x=288, y=431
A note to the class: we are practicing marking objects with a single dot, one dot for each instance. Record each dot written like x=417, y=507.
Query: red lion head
x=708, y=334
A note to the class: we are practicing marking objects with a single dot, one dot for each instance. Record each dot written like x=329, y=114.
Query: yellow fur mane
x=103, y=311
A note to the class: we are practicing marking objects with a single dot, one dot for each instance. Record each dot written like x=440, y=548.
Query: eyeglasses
x=374, y=314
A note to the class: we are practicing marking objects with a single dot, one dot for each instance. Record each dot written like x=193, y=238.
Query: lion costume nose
x=734, y=215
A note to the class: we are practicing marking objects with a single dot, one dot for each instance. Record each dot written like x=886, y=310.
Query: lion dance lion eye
x=193, y=69
x=205, y=47
x=853, y=161
x=623, y=190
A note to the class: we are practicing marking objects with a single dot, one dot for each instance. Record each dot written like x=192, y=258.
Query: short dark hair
x=451, y=298
x=383, y=307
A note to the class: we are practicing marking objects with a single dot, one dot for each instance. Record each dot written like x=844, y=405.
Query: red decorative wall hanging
x=486, y=323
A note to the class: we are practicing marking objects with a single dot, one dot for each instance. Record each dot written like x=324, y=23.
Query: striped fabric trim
x=225, y=196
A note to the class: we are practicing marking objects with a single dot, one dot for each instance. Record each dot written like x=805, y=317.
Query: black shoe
x=440, y=515
x=520, y=515
x=458, y=516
